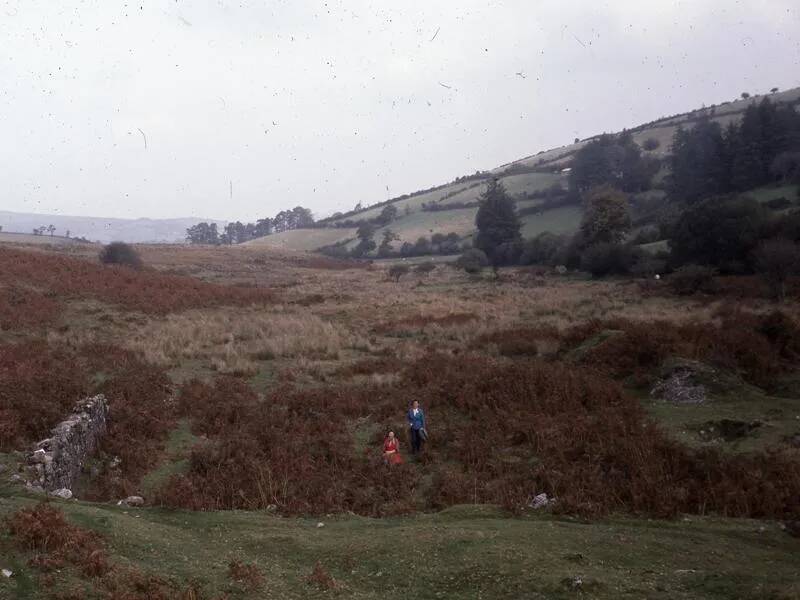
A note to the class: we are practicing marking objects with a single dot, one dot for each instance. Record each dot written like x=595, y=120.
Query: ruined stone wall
x=57, y=460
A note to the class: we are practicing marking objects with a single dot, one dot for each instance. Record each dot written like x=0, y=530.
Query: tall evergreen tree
x=498, y=225
x=698, y=161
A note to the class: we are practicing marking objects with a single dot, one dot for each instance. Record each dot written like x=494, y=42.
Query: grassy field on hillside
x=565, y=219
x=302, y=240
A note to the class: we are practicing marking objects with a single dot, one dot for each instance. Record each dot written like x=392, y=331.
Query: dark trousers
x=416, y=440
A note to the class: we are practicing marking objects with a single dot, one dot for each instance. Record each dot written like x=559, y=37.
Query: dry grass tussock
x=232, y=340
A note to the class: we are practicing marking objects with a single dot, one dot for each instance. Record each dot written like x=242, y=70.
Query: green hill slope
x=522, y=178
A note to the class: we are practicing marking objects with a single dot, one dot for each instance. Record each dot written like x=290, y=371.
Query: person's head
x=391, y=435
x=415, y=404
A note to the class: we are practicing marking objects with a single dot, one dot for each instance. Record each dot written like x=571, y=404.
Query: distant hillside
x=451, y=207
x=101, y=229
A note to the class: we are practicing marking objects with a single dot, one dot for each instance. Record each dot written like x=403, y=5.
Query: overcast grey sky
x=251, y=107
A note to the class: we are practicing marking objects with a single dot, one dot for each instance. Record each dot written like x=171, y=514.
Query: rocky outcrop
x=57, y=461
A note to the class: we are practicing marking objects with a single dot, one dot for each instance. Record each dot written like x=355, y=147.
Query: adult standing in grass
x=416, y=425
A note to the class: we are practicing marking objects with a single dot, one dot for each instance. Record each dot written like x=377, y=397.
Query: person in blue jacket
x=416, y=425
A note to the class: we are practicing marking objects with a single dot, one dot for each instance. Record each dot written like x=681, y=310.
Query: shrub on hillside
x=720, y=232
x=425, y=268
x=651, y=144
x=120, y=253
x=397, y=271
x=690, y=279
x=44, y=529
x=545, y=249
x=472, y=261
x=40, y=385
x=776, y=260
x=608, y=259
x=648, y=266
x=23, y=307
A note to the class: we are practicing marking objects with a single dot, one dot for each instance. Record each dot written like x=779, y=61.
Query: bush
x=648, y=266
x=690, y=279
x=425, y=268
x=40, y=386
x=775, y=261
x=545, y=249
x=608, y=259
x=397, y=271
x=720, y=232
x=44, y=529
x=651, y=144
x=120, y=253
x=472, y=261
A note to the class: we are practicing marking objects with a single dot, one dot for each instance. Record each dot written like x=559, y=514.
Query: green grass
x=175, y=460
x=779, y=418
x=564, y=219
x=462, y=552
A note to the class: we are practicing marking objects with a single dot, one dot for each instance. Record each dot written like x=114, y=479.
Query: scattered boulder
x=680, y=387
x=132, y=501
x=7, y=573
x=63, y=493
x=541, y=501
x=16, y=478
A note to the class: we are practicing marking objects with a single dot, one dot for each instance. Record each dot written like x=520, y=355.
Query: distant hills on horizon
x=103, y=229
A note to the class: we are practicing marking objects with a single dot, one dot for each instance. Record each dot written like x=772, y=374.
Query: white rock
x=320, y=524
x=62, y=493
x=540, y=501
x=38, y=456
x=131, y=501
x=7, y=573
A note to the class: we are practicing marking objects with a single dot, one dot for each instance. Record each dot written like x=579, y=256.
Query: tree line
x=238, y=232
x=764, y=147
